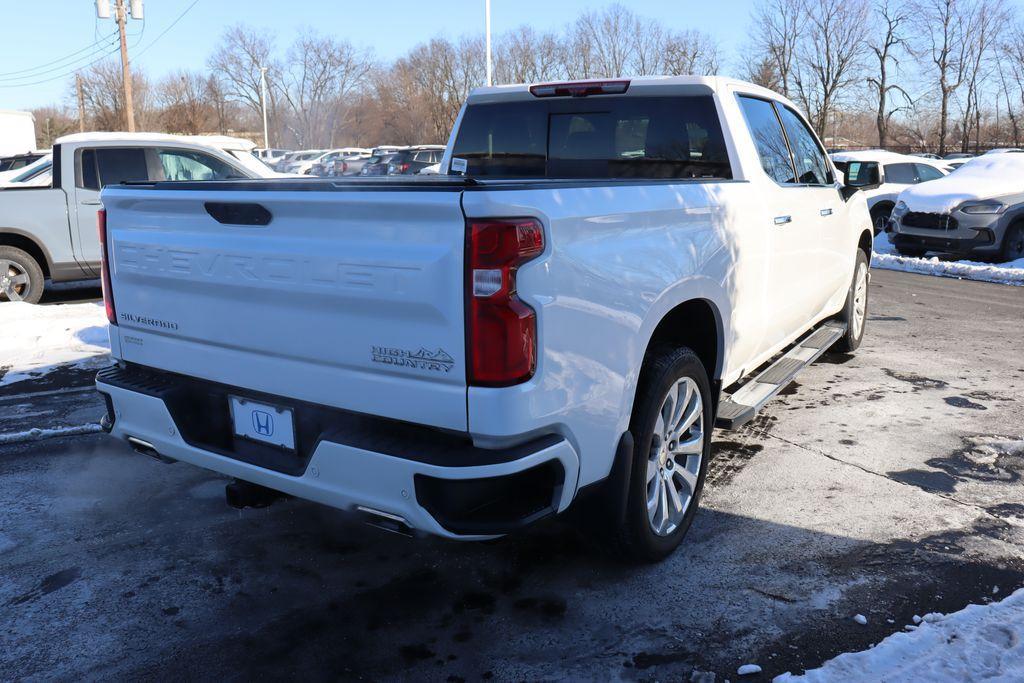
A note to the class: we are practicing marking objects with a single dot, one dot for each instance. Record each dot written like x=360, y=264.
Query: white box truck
x=17, y=132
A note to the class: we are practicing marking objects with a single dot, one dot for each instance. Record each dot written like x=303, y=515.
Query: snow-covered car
x=978, y=210
x=882, y=175
x=300, y=162
x=549, y=320
x=48, y=229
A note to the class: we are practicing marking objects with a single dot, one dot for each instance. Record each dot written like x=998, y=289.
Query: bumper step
x=739, y=408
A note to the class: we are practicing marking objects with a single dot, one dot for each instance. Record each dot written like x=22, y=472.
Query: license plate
x=264, y=423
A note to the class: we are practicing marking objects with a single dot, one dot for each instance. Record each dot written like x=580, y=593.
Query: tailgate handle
x=234, y=213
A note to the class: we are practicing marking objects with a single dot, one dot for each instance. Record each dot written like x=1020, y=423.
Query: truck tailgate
x=351, y=298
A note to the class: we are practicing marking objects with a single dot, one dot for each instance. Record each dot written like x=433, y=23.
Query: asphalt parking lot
x=886, y=484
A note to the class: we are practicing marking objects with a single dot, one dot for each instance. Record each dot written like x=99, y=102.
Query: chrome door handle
x=826, y=212
x=782, y=220
x=92, y=202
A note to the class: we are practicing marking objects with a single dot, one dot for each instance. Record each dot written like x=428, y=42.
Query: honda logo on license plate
x=273, y=425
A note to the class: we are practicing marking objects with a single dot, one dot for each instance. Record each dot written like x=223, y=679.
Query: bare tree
x=184, y=97
x=830, y=56
x=237, y=61
x=943, y=26
x=893, y=17
x=321, y=73
x=525, y=56
x=103, y=92
x=985, y=20
x=777, y=27
x=690, y=52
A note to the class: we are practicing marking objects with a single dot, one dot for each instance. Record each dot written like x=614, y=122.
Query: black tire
x=880, y=217
x=21, y=277
x=636, y=536
x=855, y=312
x=1013, y=243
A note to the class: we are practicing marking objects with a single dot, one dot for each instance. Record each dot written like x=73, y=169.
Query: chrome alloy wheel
x=677, y=449
x=860, y=300
x=14, y=281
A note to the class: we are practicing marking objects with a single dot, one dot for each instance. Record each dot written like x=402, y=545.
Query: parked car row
x=350, y=161
x=960, y=204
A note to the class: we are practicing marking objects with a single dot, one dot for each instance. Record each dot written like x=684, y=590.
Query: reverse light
x=579, y=88
x=501, y=330
x=108, y=292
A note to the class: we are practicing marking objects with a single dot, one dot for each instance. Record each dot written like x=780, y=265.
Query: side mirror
x=847, y=191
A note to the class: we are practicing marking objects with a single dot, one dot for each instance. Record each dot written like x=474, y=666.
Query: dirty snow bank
x=984, y=177
x=39, y=339
x=980, y=642
x=886, y=258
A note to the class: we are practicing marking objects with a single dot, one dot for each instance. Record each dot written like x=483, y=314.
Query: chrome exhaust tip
x=149, y=450
x=386, y=521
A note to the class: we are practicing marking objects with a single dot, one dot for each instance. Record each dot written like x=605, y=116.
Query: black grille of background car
x=929, y=221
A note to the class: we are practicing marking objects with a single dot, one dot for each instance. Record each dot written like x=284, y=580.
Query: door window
x=111, y=165
x=926, y=172
x=766, y=130
x=902, y=174
x=811, y=166
x=182, y=164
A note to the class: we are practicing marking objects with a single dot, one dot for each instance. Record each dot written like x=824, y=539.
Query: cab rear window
x=598, y=137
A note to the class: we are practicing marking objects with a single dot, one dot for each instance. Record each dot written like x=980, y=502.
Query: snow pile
x=39, y=339
x=1008, y=273
x=980, y=642
x=984, y=177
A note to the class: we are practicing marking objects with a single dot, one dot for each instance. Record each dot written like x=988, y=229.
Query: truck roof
x=218, y=141
x=635, y=83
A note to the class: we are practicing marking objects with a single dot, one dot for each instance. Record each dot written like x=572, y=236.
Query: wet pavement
x=886, y=484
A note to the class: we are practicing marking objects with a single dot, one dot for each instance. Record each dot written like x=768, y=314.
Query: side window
x=766, y=131
x=115, y=165
x=90, y=179
x=811, y=166
x=926, y=172
x=903, y=174
x=182, y=164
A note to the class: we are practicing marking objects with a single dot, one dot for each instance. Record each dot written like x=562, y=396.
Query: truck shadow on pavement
x=117, y=566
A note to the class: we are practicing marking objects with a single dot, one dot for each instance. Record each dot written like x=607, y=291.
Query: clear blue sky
x=38, y=33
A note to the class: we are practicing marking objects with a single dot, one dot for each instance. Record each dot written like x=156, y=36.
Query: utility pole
x=129, y=107
x=263, y=105
x=81, y=103
x=487, y=22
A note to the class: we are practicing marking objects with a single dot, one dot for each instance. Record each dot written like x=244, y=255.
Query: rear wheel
x=1013, y=243
x=21, y=278
x=672, y=422
x=855, y=312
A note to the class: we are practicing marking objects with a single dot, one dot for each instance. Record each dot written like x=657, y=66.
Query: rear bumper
x=435, y=482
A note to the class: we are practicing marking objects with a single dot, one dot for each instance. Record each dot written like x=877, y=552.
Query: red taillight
x=501, y=330
x=108, y=293
x=579, y=88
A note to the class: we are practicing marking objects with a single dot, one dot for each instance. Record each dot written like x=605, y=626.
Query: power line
x=88, y=48
x=164, y=32
x=65, y=69
x=63, y=75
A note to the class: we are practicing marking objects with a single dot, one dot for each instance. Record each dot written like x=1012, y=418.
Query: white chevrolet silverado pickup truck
x=601, y=272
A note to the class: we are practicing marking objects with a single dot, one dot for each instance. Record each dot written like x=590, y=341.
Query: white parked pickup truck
x=601, y=271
